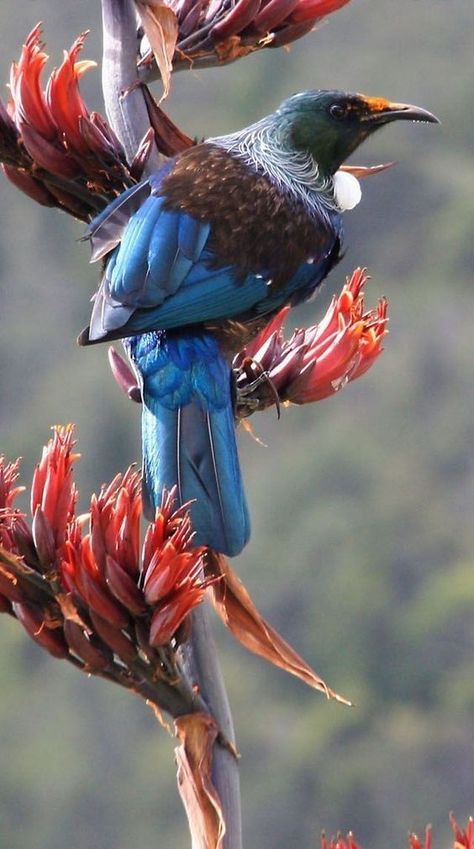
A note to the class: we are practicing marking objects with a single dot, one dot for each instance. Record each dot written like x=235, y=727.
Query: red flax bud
x=13, y=529
x=124, y=376
x=9, y=473
x=92, y=587
x=115, y=522
x=168, y=617
x=166, y=552
x=43, y=539
x=339, y=842
x=114, y=638
x=81, y=576
x=64, y=99
x=272, y=14
x=47, y=155
x=123, y=588
x=313, y=9
x=28, y=101
x=53, y=489
x=167, y=570
x=291, y=32
x=83, y=646
x=239, y=17
x=414, y=841
x=34, y=622
x=462, y=839
x=22, y=539
x=35, y=189
x=173, y=571
x=128, y=512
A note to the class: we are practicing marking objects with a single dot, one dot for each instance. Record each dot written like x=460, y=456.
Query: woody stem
x=127, y=113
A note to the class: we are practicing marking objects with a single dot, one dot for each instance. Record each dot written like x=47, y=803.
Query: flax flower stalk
x=200, y=661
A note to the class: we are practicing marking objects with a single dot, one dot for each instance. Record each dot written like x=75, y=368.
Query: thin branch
x=201, y=662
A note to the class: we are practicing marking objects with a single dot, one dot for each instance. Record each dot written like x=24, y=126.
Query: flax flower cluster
x=51, y=146
x=314, y=363
x=210, y=32
x=462, y=839
x=80, y=585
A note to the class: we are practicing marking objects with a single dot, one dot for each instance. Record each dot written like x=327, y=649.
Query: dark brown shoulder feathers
x=256, y=227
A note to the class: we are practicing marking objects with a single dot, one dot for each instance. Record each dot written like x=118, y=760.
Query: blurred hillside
x=362, y=542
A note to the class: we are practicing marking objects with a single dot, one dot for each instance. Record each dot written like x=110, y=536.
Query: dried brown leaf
x=238, y=613
x=232, y=48
x=161, y=27
x=70, y=611
x=197, y=733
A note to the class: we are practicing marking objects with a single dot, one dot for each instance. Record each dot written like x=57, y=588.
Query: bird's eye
x=337, y=111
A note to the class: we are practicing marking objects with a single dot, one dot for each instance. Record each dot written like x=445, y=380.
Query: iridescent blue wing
x=161, y=274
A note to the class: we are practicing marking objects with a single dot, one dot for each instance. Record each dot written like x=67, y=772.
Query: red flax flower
x=53, y=494
x=51, y=146
x=414, y=841
x=339, y=842
x=314, y=363
x=462, y=839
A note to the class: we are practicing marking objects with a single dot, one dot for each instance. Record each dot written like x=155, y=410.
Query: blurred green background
x=362, y=505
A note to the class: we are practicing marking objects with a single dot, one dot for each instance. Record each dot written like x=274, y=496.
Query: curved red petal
x=313, y=9
x=29, y=103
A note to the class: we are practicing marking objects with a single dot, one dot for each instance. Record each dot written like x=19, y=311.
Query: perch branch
x=127, y=113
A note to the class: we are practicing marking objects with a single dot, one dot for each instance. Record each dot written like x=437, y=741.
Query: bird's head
x=330, y=125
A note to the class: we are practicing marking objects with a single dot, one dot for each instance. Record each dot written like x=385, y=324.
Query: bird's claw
x=248, y=378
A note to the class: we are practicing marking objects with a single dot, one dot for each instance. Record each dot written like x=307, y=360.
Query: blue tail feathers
x=189, y=434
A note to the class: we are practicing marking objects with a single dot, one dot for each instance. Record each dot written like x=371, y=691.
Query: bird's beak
x=382, y=112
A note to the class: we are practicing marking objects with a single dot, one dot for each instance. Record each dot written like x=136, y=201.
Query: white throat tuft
x=347, y=191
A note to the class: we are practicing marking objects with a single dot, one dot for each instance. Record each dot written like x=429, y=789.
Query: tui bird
x=199, y=257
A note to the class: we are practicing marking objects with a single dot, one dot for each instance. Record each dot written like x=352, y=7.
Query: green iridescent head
x=330, y=125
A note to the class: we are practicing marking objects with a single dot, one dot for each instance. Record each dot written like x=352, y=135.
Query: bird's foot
x=254, y=389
